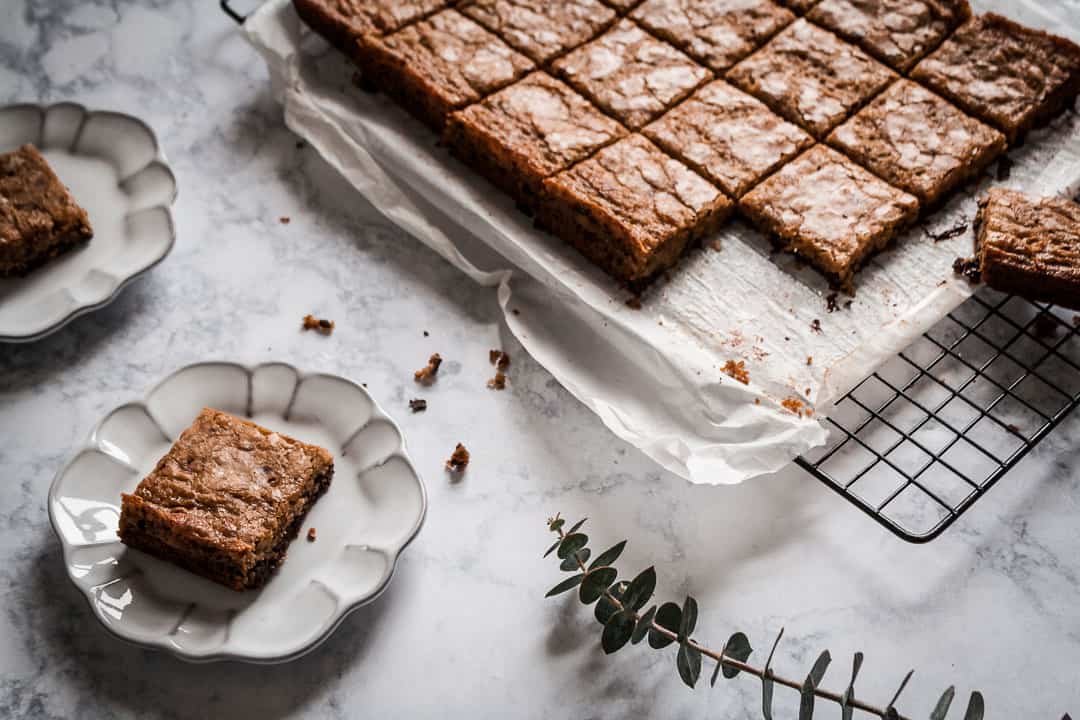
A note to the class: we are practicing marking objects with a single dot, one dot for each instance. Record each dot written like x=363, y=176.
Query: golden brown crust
x=439, y=65
x=631, y=75
x=226, y=498
x=811, y=77
x=541, y=29
x=829, y=210
x=918, y=142
x=896, y=32
x=631, y=209
x=1008, y=75
x=728, y=136
x=38, y=217
x=1030, y=246
x=527, y=132
x=343, y=22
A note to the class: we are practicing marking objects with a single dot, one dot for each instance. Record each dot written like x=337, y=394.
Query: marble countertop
x=464, y=629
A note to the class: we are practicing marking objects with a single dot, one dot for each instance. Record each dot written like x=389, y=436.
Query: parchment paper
x=654, y=374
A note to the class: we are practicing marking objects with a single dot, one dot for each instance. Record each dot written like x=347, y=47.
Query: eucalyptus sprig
x=619, y=608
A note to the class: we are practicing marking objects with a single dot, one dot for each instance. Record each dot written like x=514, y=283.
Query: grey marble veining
x=464, y=629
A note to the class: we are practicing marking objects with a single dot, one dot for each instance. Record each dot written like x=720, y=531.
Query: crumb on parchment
x=737, y=369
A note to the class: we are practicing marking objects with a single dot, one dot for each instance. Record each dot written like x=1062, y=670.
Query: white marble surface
x=464, y=629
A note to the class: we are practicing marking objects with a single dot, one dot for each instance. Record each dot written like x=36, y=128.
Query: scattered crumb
x=815, y=325
x=807, y=392
x=1045, y=326
x=757, y=401
x=809, y=359
x=320, y=325
x=418, y=405
x=796, y=406
x=847, y=304
x=759, y=353
x=955, y=231
x=426, y=333
x=311, y=535
x=285, y=220
x=498, y=382
x=1012, y=427
x=426, y=375
x=499, y=359
x=830, y=303
x=968, y=267
x=737, y=370
x=459, y=460
x=634, y=303
x=1004, y=168
x=716, y=245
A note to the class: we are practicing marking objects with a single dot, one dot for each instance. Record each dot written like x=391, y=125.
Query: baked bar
x=829, y=210
x=622, y=5
x=630, y=74
x=541, y=29
x=226, y=500
x=343, y=22
x=917, y=141
x=799, y=7
x=1030, y=246
x=439, y=65
x=1005, y=74
x=896, y=32
x=728, y=136
x=38, y=217
x=631, y=209
x=717, y=33
x=527, y=132
x=811, y=77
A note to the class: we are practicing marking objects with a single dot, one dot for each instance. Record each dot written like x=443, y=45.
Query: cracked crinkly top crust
x=34, y=204
x=897, y=32
x=461, y=59
x=1001, y=72
x=630, y=74
x=1035, y=235
x=651, y=194
x=917, y=141
x=370, y=17
x=541, y=29
x=728, y=136
x=798, y=6
x=233, y=482
x=717, y=33
x=811, y=77
x=544, y=124
x=829, y=208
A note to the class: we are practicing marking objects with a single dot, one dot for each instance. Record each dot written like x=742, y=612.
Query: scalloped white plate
x=373, y=509
x=115, y=170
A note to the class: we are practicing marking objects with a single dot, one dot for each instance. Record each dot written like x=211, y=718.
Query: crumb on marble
x=311, y=534
x=815, y=326
x=418, y=405
x=498, y=382
x=319, y=325
x=459, y=460
x=285, y=219
x=426, y=375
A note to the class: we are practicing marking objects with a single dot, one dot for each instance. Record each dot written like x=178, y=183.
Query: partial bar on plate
x=39, y=219
x=226, y=500
x=631, y=209
x=827, y=209
x=439, y=65
x=528, y=132
x=1030, y=246
x=1003, y=73
x=344, y=22
x=541, y=29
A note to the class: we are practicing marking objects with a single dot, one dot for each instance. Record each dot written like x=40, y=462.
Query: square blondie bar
x=919, y=142
x=1005, y=74
x=541, y=29
x=728, y=136
x=439, y=65
x=631, y=209
x=811, y=77
x=630, y=74
x=226, y=500
x=1030, y=246
x=527, y=132
x=829, y=210
x=38, y=217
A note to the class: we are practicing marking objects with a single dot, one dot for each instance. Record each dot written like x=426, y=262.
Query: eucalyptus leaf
x=556, y=524
x=571, y=544
x=644, y=623
x=604, y=607
x=689, y=618
x=892, y=704
x=737, y=648
x=975, y=707
x=813, y=679
x=669, y=616
x=552, y=548
x=943, y=704
x=849, y=695
x=575, y=526
x=766, y=696
x=688, y=661
x=617, y=631
x=568, y=584
x=608, y=556
x=595, y=583
x=641, y=588
x=571, y=563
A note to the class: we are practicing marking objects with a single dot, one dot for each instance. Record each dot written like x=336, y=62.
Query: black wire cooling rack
x=918, y=442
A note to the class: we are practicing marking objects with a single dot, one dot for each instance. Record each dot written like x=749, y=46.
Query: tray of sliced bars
x=722, y=214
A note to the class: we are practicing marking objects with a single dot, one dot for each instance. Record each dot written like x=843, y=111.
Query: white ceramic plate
x=115, y=170
x=373, y=509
